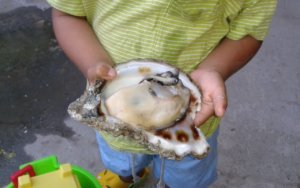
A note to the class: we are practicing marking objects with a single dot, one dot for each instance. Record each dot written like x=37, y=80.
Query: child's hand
x=212, y=87
x=100, y=71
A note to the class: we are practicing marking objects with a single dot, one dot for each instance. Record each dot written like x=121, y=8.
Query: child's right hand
x=100, y=71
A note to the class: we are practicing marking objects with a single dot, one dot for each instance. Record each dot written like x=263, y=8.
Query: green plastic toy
x=49, y=166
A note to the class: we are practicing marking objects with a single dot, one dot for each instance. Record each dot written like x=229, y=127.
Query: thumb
x=105, y=72
x=101, y=72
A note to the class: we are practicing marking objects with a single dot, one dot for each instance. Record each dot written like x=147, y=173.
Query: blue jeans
x=188, y=172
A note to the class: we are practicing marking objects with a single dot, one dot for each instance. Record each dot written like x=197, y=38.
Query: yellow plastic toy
x=49, y=173
x=60, y=178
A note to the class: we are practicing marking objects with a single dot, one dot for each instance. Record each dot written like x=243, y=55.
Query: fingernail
x=111, y=72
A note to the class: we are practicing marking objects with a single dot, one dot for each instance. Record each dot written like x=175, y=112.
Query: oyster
x=154, y=102
x=150, y=102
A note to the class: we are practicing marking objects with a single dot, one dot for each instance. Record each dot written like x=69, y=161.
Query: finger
x=207, y=110
x=220, y=105
x=101, y=72
x=105, y=72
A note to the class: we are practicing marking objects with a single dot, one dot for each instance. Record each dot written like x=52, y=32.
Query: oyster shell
x=150, y=102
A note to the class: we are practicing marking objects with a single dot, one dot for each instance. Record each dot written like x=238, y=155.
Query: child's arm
x=227, y=58
x=81, y=45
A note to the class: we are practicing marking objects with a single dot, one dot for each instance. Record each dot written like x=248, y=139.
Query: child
x=209, y=39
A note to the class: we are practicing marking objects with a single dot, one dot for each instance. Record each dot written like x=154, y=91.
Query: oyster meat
x=154, y=102
x=150, y=102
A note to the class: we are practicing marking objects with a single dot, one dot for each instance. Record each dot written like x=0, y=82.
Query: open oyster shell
x=149, y=102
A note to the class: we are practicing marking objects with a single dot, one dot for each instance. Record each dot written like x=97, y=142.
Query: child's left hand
x=213, y=91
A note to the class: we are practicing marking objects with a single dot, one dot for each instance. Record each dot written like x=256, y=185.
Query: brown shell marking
x=182, y=136
x=193, y=102
x=195, y=132
x=145, y=70
x=164, y=134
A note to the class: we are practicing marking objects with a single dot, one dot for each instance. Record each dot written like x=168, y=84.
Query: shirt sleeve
x=72, y=7
x=254, y=20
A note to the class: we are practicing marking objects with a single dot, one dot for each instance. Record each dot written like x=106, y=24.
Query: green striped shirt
x=180, y=32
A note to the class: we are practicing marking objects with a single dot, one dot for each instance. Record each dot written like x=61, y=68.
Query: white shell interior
x=135, y=71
